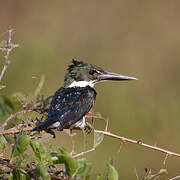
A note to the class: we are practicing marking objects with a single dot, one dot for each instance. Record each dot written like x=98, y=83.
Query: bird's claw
x=87, y=129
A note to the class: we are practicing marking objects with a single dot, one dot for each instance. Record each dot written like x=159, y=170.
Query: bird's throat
x=82, y=84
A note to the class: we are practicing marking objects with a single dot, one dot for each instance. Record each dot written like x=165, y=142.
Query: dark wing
x=68, y=106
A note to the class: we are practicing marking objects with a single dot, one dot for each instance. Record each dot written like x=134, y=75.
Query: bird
x=75, y=99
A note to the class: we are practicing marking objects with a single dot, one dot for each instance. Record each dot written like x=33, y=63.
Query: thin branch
x=83, y=153
x=107, y=124
x=177, y=177
x=27, y=169
x=140, y=143
x=13, y=116
x=164, y=162
x=15, y=130
x=123, y=139
x=135, y=171
x=8, y=49
x=39, y=110
x=22, y=128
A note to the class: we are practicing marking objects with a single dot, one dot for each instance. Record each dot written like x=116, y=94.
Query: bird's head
x=81, y=74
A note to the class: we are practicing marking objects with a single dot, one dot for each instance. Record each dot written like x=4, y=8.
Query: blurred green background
x=137, y=38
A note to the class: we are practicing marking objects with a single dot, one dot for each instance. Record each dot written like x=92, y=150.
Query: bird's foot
x=87, y=129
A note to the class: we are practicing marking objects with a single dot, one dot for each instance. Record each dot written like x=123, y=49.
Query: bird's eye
x=92, y=71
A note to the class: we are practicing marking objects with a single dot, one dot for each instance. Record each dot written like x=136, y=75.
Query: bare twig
x=8, y=49
x=135, y=171
x=73, y=145
x=83, y=153
x=140, y=143
x=164, y=162
x=27, y=169
x=15, y=130
x=107, y=124
x=13, y=116
x=177, y=177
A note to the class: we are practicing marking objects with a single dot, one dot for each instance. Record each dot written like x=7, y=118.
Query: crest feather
x=74, y=64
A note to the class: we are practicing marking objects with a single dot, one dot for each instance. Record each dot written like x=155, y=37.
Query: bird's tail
x=38, y=128
x=43, y=125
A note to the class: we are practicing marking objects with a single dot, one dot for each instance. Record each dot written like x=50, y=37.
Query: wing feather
x=68, y=106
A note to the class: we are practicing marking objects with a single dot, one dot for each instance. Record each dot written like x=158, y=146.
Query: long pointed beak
x=114, y=76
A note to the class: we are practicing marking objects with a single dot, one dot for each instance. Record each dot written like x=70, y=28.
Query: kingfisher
x=75, y=99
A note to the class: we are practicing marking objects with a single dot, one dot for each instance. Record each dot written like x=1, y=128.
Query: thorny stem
x=15, y=130
x=83, y=153
x=140, y=143
x=121, y=138
x=13, y=116
x=8, y=49
x=177, y=177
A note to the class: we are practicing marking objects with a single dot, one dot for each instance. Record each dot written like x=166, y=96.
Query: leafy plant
x=29, y=158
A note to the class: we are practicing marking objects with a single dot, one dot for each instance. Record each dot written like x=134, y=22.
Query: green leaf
x=10, y=106
x=3, y=142
x=39, y=150
x=10, y=177
x=2, y=109
x=20, y=97
x=98, y=138
x=70, y=163
x=2, y=113
x=112, y=173
x=42, y=171
x=87, y=177
x=21, y=144
x=19, y=174
x=55, y=159
x=99, y=177
x=8, y=102
x=4, y=43
x=88, y=174
x=15, y=174
x=11, y=103
x=82, y=164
